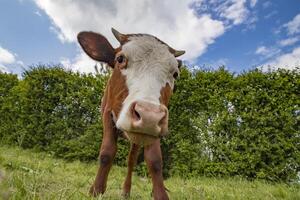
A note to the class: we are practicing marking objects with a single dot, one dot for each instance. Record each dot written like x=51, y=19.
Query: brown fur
x=116, y=91
x=165, y=94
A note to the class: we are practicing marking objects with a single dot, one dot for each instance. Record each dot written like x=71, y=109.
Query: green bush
x=228, y=125
x=57, y=111
x=7, y=83
x=221, y=124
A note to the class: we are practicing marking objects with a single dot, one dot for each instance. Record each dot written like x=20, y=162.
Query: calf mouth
x=140, y=138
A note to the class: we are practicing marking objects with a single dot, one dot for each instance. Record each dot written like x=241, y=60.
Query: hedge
x=221, y=124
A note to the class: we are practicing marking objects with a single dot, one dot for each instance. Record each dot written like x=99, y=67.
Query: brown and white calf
x=135, y=101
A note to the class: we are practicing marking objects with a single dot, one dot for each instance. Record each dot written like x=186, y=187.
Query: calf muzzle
x=148, y=118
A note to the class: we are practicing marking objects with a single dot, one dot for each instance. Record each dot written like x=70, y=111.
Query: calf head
x=142, y=81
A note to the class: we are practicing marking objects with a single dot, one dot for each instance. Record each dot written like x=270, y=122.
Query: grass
x=25, y=174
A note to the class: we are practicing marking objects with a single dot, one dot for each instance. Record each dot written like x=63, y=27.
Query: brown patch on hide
x=165, y=94
x=115, y=93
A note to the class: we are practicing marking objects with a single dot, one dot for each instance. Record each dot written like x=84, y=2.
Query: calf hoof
x=125, y=195
x=161, y=195
x=126, y=189
x=95, y=191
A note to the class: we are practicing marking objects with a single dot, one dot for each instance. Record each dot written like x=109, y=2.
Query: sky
x=239, y=34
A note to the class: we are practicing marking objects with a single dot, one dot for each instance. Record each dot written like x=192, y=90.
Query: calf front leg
x=153, y=159
x=132, y=158
x=107, y=153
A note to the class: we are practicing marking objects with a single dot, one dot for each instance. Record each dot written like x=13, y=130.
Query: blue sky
x=239, y=34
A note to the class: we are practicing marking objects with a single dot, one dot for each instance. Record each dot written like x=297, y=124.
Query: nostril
x=137, y=115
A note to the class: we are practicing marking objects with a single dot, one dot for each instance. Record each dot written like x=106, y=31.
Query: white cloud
x=81, y=63
x=173, y=21
x=288, y=61
x=267, y=52
x=180, y=27
x=289, y=41
x=66, y=62
x=3, y=68
x=293, y=26
x=84, y=64
x=235, y=10
x=253, y=3
x=271, y=14
x=251, y=23
x=231, y=12
x=261, y=50
x=6, y=57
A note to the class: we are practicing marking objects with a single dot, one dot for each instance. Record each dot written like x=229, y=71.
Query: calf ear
x=97, y=47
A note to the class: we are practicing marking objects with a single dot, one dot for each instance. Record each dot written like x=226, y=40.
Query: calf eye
x=120, y=59
x=179, y=63
x=175, y=75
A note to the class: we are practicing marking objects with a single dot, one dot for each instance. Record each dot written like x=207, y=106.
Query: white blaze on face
x=150, y=67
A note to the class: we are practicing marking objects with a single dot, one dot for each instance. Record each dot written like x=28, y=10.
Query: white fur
x=150, y=67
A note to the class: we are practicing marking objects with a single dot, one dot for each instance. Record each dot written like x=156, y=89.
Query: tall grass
x=26, y=174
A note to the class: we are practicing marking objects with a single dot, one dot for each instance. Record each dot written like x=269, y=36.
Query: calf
x=134, y=102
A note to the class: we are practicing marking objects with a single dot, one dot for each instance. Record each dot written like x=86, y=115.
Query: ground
x=25, y=174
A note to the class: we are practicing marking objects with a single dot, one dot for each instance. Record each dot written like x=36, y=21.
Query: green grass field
x=26, y=174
